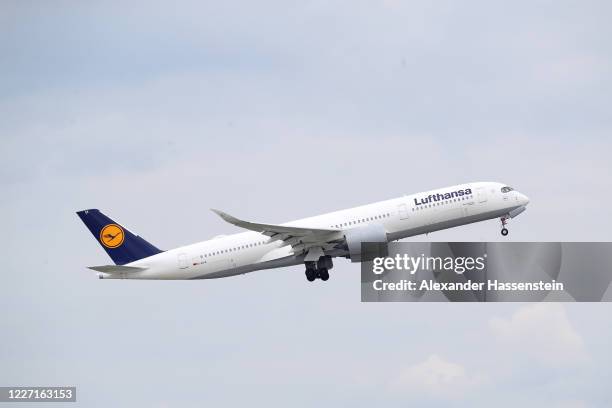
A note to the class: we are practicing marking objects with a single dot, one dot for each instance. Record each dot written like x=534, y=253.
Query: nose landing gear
x=319, y=269
x=504, y=230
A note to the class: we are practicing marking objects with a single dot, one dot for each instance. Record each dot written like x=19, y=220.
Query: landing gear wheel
x=311, y=274
x=323, y=274
x=504, y=221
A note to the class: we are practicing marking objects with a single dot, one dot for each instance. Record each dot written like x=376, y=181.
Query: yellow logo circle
x=112, y=236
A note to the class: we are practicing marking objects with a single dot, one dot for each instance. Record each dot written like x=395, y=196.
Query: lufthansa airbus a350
x=313, y=242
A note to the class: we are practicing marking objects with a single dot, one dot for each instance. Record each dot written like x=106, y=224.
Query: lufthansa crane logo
x=112, y=236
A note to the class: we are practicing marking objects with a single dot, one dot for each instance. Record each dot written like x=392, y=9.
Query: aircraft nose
x=524, y=199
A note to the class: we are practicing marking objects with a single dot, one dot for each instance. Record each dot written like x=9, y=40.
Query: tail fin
x=119, y=243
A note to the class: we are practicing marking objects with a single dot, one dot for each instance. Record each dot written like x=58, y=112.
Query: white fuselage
x=401, y=217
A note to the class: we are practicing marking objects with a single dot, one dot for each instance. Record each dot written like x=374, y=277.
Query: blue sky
x=274, y=111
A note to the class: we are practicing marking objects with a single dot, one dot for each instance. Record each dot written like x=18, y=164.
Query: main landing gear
x=504, y=230
x=319, y=269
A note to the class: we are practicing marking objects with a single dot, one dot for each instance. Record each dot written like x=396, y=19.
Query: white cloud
x=541, y=333
x=436, y=377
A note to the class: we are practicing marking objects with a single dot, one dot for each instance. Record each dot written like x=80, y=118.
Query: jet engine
x=368, y=233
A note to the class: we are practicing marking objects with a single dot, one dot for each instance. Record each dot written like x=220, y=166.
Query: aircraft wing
x=300, y=238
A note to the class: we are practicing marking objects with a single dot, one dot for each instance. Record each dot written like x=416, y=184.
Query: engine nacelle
x=369, y=233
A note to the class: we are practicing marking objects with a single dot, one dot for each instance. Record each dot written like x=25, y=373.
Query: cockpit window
x=506, y=189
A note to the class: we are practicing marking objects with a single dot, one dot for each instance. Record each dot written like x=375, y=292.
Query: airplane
x=313, y=241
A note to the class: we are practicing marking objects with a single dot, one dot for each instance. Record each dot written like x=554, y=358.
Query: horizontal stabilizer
x=117, y=268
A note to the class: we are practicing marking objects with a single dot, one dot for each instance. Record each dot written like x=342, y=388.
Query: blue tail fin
x=119, y=243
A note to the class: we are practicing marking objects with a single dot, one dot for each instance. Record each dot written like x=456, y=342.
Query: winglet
x=226, y=217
